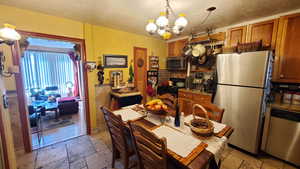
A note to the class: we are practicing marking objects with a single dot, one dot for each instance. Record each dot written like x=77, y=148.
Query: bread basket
x=203, y=127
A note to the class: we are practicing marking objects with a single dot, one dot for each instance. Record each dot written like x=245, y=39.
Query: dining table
x=185, y=148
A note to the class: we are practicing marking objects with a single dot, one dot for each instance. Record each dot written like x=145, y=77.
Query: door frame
x=145, y=69
x=3, y=142
x=16, y=55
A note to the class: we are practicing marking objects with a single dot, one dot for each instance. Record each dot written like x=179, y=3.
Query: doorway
x=51, y=89
x=50, y=71
x=140, y=70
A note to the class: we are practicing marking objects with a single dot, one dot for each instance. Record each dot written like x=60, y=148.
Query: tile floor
x=62, y=133
x=94, y=152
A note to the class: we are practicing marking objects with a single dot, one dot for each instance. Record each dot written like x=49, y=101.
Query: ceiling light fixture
x=9, y=33
x=162, y=26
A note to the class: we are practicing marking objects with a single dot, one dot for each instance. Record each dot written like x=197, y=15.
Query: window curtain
x=43, y=69
x=73, y=57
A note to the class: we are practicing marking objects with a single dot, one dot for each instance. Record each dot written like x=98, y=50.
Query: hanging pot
x=198, y=50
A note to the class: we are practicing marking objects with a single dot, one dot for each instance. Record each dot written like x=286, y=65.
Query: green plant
x=131, y=74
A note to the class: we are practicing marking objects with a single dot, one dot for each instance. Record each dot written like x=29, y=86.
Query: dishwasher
x=281, y=137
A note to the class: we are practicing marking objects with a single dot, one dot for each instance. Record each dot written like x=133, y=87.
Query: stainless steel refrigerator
x=243, y=84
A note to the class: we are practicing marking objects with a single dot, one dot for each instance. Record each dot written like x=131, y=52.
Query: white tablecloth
x=216, y=145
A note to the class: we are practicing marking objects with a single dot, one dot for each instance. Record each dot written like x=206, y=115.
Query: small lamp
x=8, y=34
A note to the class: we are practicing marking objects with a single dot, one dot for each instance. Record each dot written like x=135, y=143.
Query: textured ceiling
x=132, y=15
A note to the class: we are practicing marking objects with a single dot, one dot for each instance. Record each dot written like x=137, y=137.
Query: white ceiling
x=132, y=15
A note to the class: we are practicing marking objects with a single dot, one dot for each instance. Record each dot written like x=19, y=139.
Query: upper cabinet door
x=265, y=31
x=176, y=48
x=171, y=47
x=236, y=35
x=287, y=60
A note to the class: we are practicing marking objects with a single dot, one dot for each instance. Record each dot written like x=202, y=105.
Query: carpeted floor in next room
x=94, y=152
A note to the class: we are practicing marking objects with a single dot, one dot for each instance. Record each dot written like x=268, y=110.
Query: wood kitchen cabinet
x=287, y=60
x=176, y=48
x=236, y=35
x=185, y=105
x=265, y=31
x=187, y=98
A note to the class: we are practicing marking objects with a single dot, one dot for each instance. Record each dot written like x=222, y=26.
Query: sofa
x=68, y=105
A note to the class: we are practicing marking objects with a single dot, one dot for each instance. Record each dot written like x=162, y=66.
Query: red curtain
x=73, y=57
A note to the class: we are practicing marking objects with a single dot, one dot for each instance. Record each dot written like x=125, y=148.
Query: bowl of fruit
x=156, y=107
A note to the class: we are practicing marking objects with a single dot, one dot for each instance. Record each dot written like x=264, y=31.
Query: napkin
x=128, y=114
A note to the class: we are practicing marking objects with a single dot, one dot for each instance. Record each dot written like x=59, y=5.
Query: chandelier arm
x=169, y=8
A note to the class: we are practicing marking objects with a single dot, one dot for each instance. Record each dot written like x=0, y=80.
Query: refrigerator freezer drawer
x=243, y=112
x=246, y=69
x=284, y=139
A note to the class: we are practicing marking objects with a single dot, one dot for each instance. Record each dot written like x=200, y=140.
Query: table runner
x=128, y=114
x=183, y=146
x=215, y=145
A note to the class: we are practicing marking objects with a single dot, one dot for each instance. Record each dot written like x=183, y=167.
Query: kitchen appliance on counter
x=176, y=63
x=282, y=135
x=242, y=90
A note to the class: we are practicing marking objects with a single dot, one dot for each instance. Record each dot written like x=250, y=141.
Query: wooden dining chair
x=170, y=101
x=121, y=143
x=214, y=112
x=151, y=150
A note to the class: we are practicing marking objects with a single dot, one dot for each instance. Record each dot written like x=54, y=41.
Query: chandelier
x=162, y=26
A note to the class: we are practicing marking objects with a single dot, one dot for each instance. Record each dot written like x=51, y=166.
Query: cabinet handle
x=281, y=76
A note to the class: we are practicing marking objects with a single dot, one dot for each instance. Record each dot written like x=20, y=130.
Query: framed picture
x=115, y=61
x=112, y=72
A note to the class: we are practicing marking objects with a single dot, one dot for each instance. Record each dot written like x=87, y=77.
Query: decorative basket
x=202, y=127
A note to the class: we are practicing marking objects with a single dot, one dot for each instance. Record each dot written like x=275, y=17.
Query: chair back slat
x=151, y=150
x=214, y=112
x=116, y=128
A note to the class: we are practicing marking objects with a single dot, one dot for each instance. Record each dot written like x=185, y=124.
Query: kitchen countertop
x=289, y=107
x=120, y=95
x=195, y=91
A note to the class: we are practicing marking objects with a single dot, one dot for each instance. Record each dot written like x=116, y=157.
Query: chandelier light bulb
x=151, y=27
x=176, y=30
x=161, y=32
x=162, y=20
x=181, y=21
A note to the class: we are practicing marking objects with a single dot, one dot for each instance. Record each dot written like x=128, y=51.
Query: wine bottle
x=177, y=117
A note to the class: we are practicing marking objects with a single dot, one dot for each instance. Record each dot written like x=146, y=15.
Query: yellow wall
x=37, y=22
x=6, y=122
x=102, y=40
x=99, y=40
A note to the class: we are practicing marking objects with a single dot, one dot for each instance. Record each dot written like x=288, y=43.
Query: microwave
x=176, y=63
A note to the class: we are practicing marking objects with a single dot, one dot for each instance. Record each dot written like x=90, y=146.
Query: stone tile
x=101, y=147
x=250, y=161
x=268, y=166
x=50, y=154
x=226, y=152
x=79, y=148
x=287, y=166
x=29, y=165
x=271, y=162
x=79, y=164
x=98, y=161
x=26, y=159
x=250, y=165
x=232, y=162
x=59, y=164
